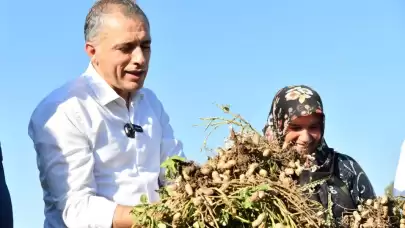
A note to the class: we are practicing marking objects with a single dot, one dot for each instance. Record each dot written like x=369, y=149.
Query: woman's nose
x=305, y=137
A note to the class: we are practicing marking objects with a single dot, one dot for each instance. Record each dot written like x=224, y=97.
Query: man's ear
x=90, y=50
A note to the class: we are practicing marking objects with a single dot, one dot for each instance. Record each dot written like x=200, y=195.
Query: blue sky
x=234, y=52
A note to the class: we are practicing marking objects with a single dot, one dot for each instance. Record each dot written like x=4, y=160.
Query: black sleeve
x=6, y=212
x=356, y=179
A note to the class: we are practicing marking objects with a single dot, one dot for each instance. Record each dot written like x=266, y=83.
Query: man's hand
x=122, y=217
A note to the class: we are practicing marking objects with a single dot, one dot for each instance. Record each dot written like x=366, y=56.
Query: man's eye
x=146, y=47
x=125, y=49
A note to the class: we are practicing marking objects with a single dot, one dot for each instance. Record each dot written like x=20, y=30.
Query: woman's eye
x=295, y=128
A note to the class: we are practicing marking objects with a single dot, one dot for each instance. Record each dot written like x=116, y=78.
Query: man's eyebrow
x=148, y=41
x=123, y=44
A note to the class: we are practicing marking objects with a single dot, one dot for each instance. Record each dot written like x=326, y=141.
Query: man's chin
x=133, y=86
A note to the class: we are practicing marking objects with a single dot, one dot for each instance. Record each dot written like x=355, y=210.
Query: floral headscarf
x=289, y=103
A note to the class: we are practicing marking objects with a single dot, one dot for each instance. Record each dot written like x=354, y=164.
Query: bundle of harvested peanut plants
x=381, y=212
x=249, y=183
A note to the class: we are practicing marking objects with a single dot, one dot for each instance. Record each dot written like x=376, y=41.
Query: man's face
x=121, y=52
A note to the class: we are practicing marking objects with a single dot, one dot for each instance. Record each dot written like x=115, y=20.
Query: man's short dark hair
x=94, y=18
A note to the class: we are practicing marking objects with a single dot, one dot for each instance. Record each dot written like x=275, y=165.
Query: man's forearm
x=122, y=217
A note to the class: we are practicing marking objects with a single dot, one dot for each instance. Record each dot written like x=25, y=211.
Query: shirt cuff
x=103, y=212
x=99, y=213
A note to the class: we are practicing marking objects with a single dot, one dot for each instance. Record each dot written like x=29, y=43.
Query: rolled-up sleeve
x=170, y=145
x=399, y=182
x=65, y=162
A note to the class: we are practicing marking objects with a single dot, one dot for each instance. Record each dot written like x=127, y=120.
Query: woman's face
x=304, y=133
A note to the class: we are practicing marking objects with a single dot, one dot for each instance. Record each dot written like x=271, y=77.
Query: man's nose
x=138, y=57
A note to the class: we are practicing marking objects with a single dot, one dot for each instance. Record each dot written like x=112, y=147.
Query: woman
x=6, y=211
x=296, y=118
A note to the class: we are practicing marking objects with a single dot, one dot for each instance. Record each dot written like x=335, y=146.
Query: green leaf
x=163, y=193
x=171, y=161
x=171, y=165
x=138, y=209
x=224, y=217
x=144, y=199
x=247, y=203
x=262, y=187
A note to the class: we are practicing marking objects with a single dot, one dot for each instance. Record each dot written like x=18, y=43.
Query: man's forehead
x=125, y=28
x=118, y=20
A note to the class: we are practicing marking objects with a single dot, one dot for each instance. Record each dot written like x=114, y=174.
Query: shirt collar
x=101, y=89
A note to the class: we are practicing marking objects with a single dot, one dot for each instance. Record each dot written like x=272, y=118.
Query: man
x=100, y=139
x=399, y=182
x=6, y=211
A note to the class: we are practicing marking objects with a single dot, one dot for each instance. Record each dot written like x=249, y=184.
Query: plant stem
x=242, y=219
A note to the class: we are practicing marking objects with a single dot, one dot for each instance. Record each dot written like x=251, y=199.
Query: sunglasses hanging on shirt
x=130, y=129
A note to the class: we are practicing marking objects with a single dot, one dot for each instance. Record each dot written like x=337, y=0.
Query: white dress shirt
x=87, y=164
x=399, y=182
